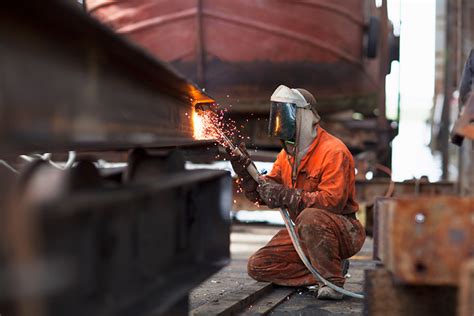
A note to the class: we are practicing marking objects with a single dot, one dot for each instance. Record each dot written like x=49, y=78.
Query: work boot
x=326, y=293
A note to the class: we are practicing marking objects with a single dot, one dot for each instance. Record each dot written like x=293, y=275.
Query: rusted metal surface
x=69, y=82
x=241, y=51
x=425, y=240
x=367, y=191
x=249, y=48
x=386, y=297
x=264, y=19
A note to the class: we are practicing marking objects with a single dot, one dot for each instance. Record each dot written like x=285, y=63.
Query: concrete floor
x=245, y=239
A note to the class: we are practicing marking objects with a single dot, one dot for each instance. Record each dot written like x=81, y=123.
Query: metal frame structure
x=83, y=240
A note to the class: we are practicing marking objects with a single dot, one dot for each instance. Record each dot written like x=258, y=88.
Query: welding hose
x=290, y=227
x=47, y=157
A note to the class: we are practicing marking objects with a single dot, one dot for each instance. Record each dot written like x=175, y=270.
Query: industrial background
x=113, y=203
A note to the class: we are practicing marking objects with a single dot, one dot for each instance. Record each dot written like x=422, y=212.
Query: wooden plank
x=234, y=301
x=385, y=297
x=268, y=302
x=425, y=240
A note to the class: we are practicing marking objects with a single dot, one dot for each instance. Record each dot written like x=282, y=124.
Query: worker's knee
x=255, y=266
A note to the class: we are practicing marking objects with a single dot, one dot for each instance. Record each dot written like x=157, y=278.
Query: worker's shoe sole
x=326, y=293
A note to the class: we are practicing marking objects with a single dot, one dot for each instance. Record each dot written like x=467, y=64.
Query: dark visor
x=282, y=121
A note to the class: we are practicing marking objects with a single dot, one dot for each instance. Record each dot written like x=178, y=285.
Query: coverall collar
x=311, y=148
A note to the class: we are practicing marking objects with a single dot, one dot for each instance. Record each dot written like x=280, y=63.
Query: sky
x=415, y=19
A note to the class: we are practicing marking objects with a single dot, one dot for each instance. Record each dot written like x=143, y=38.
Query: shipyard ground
x=232, y=292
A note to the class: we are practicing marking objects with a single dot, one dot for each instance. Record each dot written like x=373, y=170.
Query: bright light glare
x=369, y=175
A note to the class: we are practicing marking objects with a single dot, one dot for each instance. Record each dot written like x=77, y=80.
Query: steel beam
x=69, y=82
x=84, y=245
x=424, y=240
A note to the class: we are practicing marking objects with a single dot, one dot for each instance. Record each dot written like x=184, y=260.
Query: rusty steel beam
x=424, y=240
x=68, y=82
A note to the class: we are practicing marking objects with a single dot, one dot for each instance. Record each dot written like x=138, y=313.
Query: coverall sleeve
x=274, y=175
x=333, y=188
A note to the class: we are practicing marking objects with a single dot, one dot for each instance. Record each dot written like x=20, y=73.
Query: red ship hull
x=240, y=51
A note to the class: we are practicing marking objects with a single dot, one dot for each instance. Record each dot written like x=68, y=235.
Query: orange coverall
x=327, y=228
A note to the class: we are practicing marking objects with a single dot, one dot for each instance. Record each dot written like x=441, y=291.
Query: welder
x=313, y=177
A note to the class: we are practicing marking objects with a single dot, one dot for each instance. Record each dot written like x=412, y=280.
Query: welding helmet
x=285, y=103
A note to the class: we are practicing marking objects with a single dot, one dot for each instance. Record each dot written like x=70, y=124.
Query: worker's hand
x=240, y=161
x=277, y=195
x=262, y=180
x=270, y=193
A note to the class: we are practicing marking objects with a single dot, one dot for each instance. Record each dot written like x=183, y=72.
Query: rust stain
x=425, y=240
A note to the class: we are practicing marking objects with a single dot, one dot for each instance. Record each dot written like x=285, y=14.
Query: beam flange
x=69, y=82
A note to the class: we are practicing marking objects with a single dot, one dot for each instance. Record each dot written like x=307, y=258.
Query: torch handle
x=253, y=171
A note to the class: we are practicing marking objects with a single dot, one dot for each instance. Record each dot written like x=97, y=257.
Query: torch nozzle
x=204, y=106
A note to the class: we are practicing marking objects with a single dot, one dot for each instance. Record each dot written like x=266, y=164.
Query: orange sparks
x=205, y=125
x=213, y=125
x=198, y=126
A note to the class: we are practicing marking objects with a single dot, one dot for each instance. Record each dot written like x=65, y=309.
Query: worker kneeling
x=313, y=178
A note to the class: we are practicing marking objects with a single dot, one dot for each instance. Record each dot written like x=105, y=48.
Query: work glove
x=276, y=195
x=239, y=164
